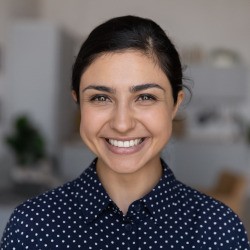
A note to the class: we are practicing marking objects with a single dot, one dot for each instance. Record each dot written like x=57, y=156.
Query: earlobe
x=180, y=98
x=74, y=96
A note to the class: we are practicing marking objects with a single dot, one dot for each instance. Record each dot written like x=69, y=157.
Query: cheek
x=159, y=122
x=91, y=121
x=87, y=123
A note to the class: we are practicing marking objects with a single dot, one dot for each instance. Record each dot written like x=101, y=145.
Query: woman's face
x=126, y=111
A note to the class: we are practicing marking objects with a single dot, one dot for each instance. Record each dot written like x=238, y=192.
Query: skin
x=126, y=96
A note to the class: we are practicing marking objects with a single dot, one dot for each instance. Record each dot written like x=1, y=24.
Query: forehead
x=124, y=67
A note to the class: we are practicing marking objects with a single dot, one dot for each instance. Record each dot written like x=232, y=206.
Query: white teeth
x=124, y=144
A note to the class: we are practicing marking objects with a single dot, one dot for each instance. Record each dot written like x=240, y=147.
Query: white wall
x=210, y=24
x=11, y=10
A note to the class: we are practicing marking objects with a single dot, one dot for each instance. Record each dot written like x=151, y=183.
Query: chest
x=113, y=231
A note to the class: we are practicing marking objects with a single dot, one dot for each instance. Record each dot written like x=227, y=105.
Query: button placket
x=128, y=227
x=138, y=208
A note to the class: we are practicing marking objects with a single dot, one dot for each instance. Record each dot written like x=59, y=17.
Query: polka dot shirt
x=80, y=215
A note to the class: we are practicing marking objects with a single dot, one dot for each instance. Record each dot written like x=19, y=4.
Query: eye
x=146, y=97
x=100, y=98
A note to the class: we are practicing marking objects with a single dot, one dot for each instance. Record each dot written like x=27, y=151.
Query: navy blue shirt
x=81, y=215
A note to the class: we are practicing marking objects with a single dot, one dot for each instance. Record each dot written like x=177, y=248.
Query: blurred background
x=39, y=143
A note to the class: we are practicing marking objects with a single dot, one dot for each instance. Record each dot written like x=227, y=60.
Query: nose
x=123, y=119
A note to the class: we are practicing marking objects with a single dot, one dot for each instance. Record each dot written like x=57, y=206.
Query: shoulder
x=55, y=209
x=44, y=205
x=213, y=220
x=59, y=202
x=202, y=203
x=55, y=201
x=63, y=199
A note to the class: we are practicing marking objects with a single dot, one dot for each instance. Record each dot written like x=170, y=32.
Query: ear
x=180, y=98
x=74, y=96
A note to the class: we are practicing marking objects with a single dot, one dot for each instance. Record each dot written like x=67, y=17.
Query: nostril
x=122, y=122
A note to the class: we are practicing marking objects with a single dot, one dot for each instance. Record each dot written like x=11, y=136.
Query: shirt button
x=138, y=208
x=128, y=227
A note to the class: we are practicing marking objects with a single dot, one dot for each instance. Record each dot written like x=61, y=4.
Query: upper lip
x=124, y=139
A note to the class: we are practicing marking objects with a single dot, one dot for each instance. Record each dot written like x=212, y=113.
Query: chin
x=125, y=164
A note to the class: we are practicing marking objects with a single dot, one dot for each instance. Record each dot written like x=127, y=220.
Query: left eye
x=146, y=97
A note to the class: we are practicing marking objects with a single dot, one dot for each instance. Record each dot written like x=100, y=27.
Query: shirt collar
x=93, y=198
x=163, y=196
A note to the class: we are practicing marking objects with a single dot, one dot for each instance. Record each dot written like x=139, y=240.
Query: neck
x=124, y=189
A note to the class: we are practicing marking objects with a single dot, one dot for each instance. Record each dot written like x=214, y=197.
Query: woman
x=127, y=80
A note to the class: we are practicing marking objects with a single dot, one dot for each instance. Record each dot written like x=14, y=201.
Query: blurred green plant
x=26, y=142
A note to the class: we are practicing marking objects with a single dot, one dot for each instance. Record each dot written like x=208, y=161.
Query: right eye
x=100, y=98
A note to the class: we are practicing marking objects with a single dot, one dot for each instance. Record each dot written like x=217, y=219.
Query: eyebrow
x=100, y=88
x=145, y=86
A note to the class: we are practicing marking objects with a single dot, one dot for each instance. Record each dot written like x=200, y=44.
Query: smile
x=125, y=144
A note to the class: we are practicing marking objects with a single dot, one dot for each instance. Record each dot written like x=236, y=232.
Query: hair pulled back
x=130, y=33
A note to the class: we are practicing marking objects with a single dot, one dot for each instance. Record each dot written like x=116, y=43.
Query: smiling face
x=127, y=110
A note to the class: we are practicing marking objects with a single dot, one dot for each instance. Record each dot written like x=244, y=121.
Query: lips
x=125, y=143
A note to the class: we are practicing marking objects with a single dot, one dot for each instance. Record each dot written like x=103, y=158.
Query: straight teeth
x=125, y=144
